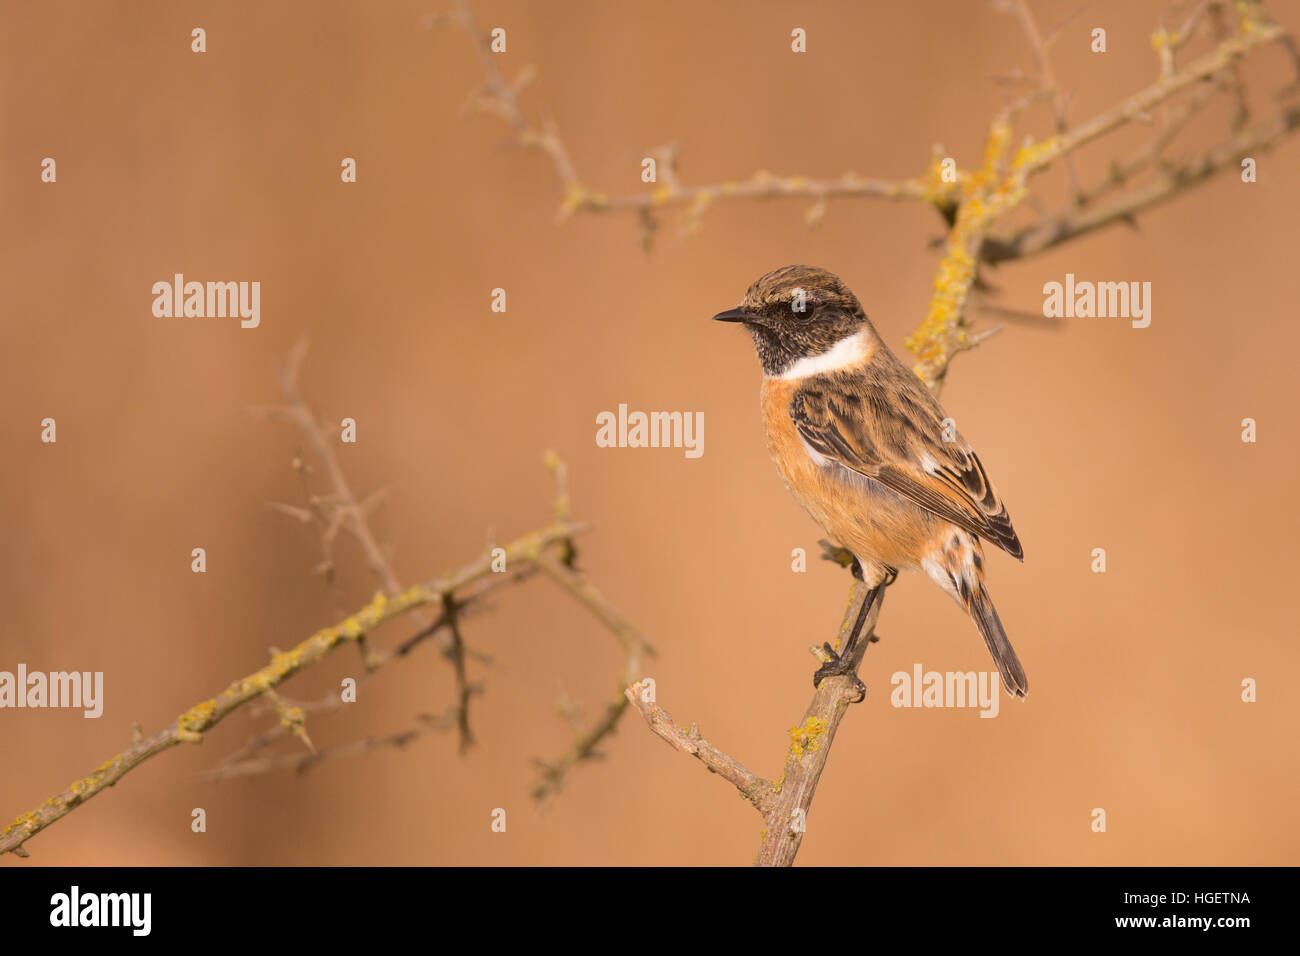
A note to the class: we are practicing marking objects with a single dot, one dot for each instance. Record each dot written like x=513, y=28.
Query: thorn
x=524, y=79
x=374, y=500
x=293, y=511
x=300, y=731
x=814, y=216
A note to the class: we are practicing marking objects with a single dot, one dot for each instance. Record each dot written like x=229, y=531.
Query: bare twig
x=341, y=509
x=689, y=740
x=635, y=647
x=499, y=97
x=784, y=803
x=302, y=762
x=1060, y=106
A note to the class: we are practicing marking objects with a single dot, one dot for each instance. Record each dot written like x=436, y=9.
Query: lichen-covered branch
x=190, y=726
x=500, y=97
x=973, y=202
x=1002, y=184
x=550, y=549
x=1174, y=177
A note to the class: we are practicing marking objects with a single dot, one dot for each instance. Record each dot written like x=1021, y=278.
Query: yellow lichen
x=24, y=820
x=574, y=197
x=807, y=738
x=1035, y=154
x=194, y=720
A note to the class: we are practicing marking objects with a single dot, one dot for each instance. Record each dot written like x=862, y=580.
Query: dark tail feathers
x=995, y=638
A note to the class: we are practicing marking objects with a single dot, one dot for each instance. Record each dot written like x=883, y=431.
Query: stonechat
x=862, y=444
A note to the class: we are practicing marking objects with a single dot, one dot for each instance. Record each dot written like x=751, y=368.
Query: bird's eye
x=801, y=307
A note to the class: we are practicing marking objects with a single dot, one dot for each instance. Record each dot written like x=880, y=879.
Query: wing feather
x=881, y=422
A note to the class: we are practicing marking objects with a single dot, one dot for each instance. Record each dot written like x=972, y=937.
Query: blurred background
x=225, y=166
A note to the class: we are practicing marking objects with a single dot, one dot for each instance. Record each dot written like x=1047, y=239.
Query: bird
x=864, y=446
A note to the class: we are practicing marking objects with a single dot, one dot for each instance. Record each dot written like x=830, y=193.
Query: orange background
x=225, y=166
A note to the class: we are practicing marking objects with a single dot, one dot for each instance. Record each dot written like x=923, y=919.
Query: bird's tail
x=995, y=638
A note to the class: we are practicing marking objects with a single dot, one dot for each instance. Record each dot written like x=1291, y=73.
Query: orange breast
x=877, y=524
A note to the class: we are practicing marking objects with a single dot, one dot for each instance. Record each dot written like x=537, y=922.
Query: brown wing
x=882, y=423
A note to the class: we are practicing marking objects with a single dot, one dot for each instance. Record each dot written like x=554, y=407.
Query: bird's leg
x=844, y=662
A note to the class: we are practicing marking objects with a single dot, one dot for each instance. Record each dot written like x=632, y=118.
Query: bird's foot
x=839, y=666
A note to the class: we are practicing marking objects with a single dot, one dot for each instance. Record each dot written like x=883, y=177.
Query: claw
x=837, y=666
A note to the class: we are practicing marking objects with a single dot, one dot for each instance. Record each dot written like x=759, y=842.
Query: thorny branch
x=550, y=549
x=341, y=510
x=190, y=725
x=973, y=203
x=446, y=626
x=302, y=762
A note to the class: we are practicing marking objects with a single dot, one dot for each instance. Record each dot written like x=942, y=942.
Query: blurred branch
x=972, y=202
x=1038, y=44
x=635, y=647
x=558, y=564
x=1002, y=183
x=500, y=97
x=190, y=726
x=342, y=510
x=550, y=549
x=1074, y=221
x=302, y=762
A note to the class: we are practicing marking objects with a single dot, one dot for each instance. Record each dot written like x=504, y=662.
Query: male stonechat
x=860, y=443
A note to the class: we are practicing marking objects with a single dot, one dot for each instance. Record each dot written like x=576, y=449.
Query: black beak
x=733, y=315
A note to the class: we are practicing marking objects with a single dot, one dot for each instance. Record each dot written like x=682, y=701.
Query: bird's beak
x=733, y=315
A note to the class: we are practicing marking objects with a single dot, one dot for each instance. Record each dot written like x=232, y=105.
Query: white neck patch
x=846, y=353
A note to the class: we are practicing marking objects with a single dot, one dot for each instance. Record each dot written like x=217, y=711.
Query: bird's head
x=796, y=312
